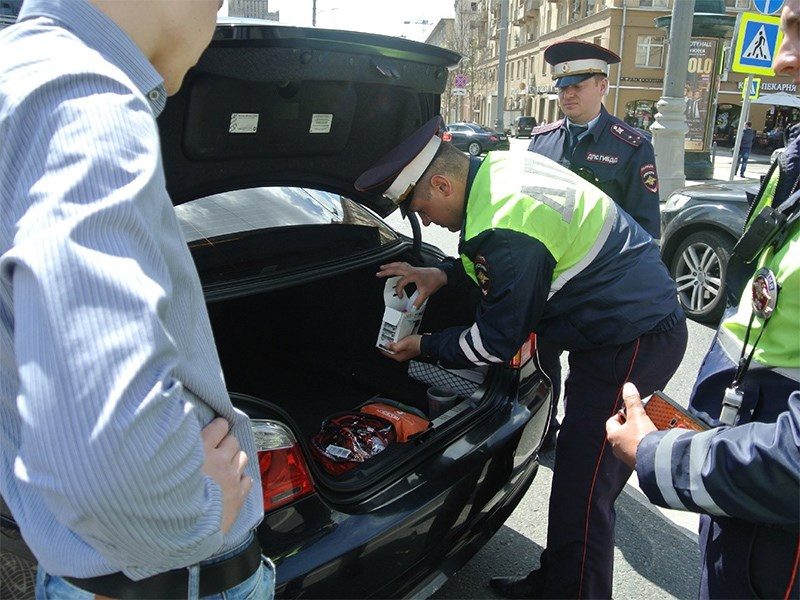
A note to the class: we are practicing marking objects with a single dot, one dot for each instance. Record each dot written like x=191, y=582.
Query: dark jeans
x=744, y=156
x=587, y=478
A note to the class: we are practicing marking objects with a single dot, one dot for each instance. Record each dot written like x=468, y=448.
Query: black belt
x=214, y=578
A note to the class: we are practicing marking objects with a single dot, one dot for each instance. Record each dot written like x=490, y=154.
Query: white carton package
x=400, y=318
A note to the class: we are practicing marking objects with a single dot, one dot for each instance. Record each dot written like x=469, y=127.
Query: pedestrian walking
x=745, y=146
x=122, y=458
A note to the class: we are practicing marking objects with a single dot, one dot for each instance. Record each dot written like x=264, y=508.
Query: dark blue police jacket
x=745, y=481
x=615, y=157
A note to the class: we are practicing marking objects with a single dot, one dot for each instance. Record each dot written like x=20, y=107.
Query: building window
x=640, y=113
x=656, y=3
x=650, y=51
x=473, y=6
x=742, y=4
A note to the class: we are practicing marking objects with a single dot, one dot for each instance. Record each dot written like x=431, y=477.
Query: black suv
x=523, y=126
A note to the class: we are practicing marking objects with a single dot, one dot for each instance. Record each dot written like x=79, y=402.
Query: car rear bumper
x=438, y=516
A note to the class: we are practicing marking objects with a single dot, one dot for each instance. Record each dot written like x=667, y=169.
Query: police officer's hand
x=626, y=430
x=427, y=279
x=225, y=463
x=404, y=349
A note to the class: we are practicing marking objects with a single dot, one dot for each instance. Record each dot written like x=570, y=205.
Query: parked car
x=523, y=126
x=261, y=148
x=700, y=225
x=475, y=139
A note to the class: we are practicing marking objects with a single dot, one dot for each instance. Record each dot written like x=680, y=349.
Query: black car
x=700, y=225
x=261, y=148
x=523, y=126
x=474, y=139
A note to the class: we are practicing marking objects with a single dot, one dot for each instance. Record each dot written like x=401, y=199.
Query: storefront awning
x=778, y=99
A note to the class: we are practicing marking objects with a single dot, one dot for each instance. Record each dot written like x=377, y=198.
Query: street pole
x=670, y=128
x=744, y=116
x=313, y=13
x=502, y=31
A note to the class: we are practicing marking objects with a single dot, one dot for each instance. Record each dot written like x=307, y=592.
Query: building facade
x=625, y=26
x=252, y=9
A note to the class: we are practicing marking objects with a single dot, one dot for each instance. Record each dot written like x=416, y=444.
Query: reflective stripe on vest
x=533, y=195
x=779, y=346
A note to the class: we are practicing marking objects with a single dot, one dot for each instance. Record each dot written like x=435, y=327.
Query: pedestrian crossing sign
x=757, y=41
x=755, y=88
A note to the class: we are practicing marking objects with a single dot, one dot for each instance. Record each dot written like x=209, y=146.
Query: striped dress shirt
x=108, y=369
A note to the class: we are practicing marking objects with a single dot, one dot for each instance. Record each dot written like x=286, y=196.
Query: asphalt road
x=656, y=553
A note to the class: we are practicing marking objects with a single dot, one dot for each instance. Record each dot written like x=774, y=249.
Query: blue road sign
x=768, y=7
x=756, y=43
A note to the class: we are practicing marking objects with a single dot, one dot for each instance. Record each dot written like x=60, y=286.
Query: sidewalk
x=757, y=165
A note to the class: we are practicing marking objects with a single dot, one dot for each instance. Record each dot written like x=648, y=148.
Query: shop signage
x=642, y=80
x=703, y=53
x=771, y=86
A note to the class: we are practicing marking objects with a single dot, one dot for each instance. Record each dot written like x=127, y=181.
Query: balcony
x=532, y=7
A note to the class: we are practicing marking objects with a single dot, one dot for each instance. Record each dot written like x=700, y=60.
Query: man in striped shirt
x=121, y=456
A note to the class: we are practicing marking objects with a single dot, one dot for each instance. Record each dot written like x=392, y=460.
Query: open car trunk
x=310, y=350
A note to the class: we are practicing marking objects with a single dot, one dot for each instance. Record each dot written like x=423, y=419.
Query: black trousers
x=549, y=355
x=587, y=478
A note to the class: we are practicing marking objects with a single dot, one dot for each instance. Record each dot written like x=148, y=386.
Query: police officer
x=551, y=253
x=592, y=143
x=599, y=147
x=743, y=475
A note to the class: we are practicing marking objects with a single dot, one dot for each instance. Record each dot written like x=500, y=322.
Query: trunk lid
x=277, y=105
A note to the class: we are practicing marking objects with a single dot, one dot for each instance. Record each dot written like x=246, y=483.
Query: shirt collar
x=592, y=124
x=102, y=34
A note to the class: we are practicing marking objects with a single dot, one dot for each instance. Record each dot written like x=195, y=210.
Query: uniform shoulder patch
x=545, y=128
x=482, y=273
x=626, y=134
x=649, y=177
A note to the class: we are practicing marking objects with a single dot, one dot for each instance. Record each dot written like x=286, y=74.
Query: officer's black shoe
x=519, y=587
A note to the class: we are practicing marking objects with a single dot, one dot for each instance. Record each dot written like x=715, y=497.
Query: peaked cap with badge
x=397, y=172
x=574, y=61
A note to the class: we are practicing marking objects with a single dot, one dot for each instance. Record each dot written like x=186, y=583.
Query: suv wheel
x=698, y=267
x=474, y=149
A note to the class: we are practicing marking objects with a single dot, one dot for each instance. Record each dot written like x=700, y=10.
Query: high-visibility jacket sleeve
x=517, y=271
x=749, y=472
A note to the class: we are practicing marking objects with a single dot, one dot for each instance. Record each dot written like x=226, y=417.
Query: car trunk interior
x=310, y=348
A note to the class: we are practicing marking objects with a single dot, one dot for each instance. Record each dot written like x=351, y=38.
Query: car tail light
x=525, y=353
x=284, y=475
x=447, y=136
x=493, y=138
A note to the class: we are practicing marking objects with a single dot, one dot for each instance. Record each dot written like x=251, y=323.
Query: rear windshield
x=253, y=209
x=260, y=232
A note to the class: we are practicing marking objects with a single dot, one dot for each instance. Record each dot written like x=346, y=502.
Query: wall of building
x=624, y=26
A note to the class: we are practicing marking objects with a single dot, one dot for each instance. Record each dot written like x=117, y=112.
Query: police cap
x=400, y=169
x=574, y=60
